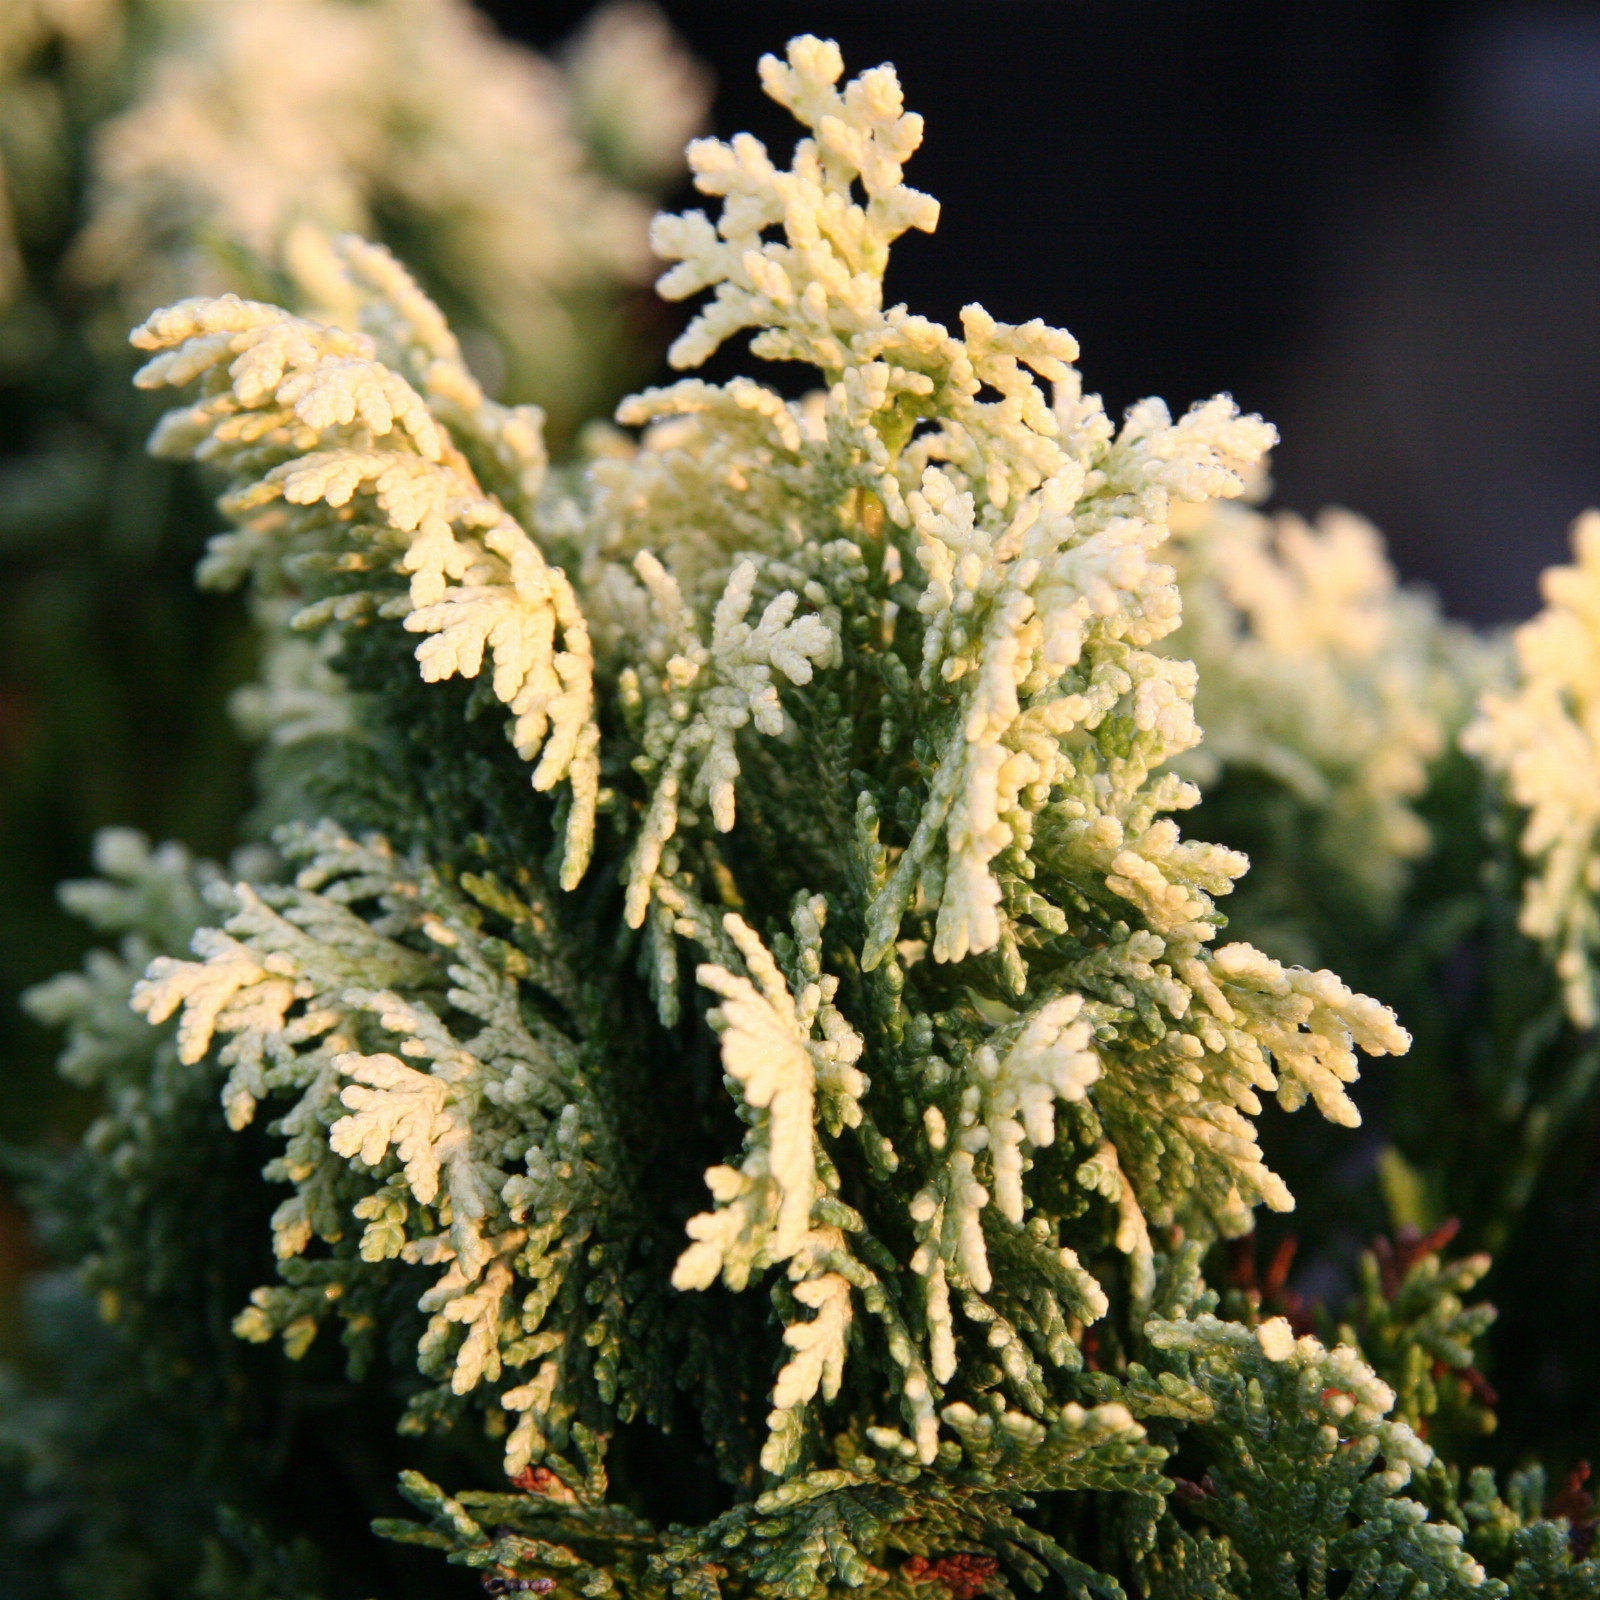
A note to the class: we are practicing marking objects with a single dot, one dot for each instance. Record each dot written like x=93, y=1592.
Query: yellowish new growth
x=393, y=1104
x=765, y=1051
x=768, y=1050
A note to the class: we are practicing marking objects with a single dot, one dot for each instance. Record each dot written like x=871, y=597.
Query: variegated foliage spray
x=846, y=730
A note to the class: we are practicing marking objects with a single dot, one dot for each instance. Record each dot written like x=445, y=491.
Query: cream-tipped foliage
x=737, y=568
x=426, y=1113
x=329, y=452
x=867, y=719
x=1037, y=706
x=1542, y=736
x=768, y=1051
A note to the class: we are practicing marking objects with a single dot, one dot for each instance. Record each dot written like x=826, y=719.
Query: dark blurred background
x=1378, y=224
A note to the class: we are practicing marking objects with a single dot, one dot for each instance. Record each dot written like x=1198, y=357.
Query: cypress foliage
x=749, y=1070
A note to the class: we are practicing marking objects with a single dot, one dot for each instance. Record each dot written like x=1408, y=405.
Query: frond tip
x=331, y=452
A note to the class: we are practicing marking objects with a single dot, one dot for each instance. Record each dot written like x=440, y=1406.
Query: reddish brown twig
x=541, y=1480
x=964, y=1574
x=1269, y=1291
x=1397, y=1256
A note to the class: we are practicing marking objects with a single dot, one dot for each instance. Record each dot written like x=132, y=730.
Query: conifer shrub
x=753, y=1080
